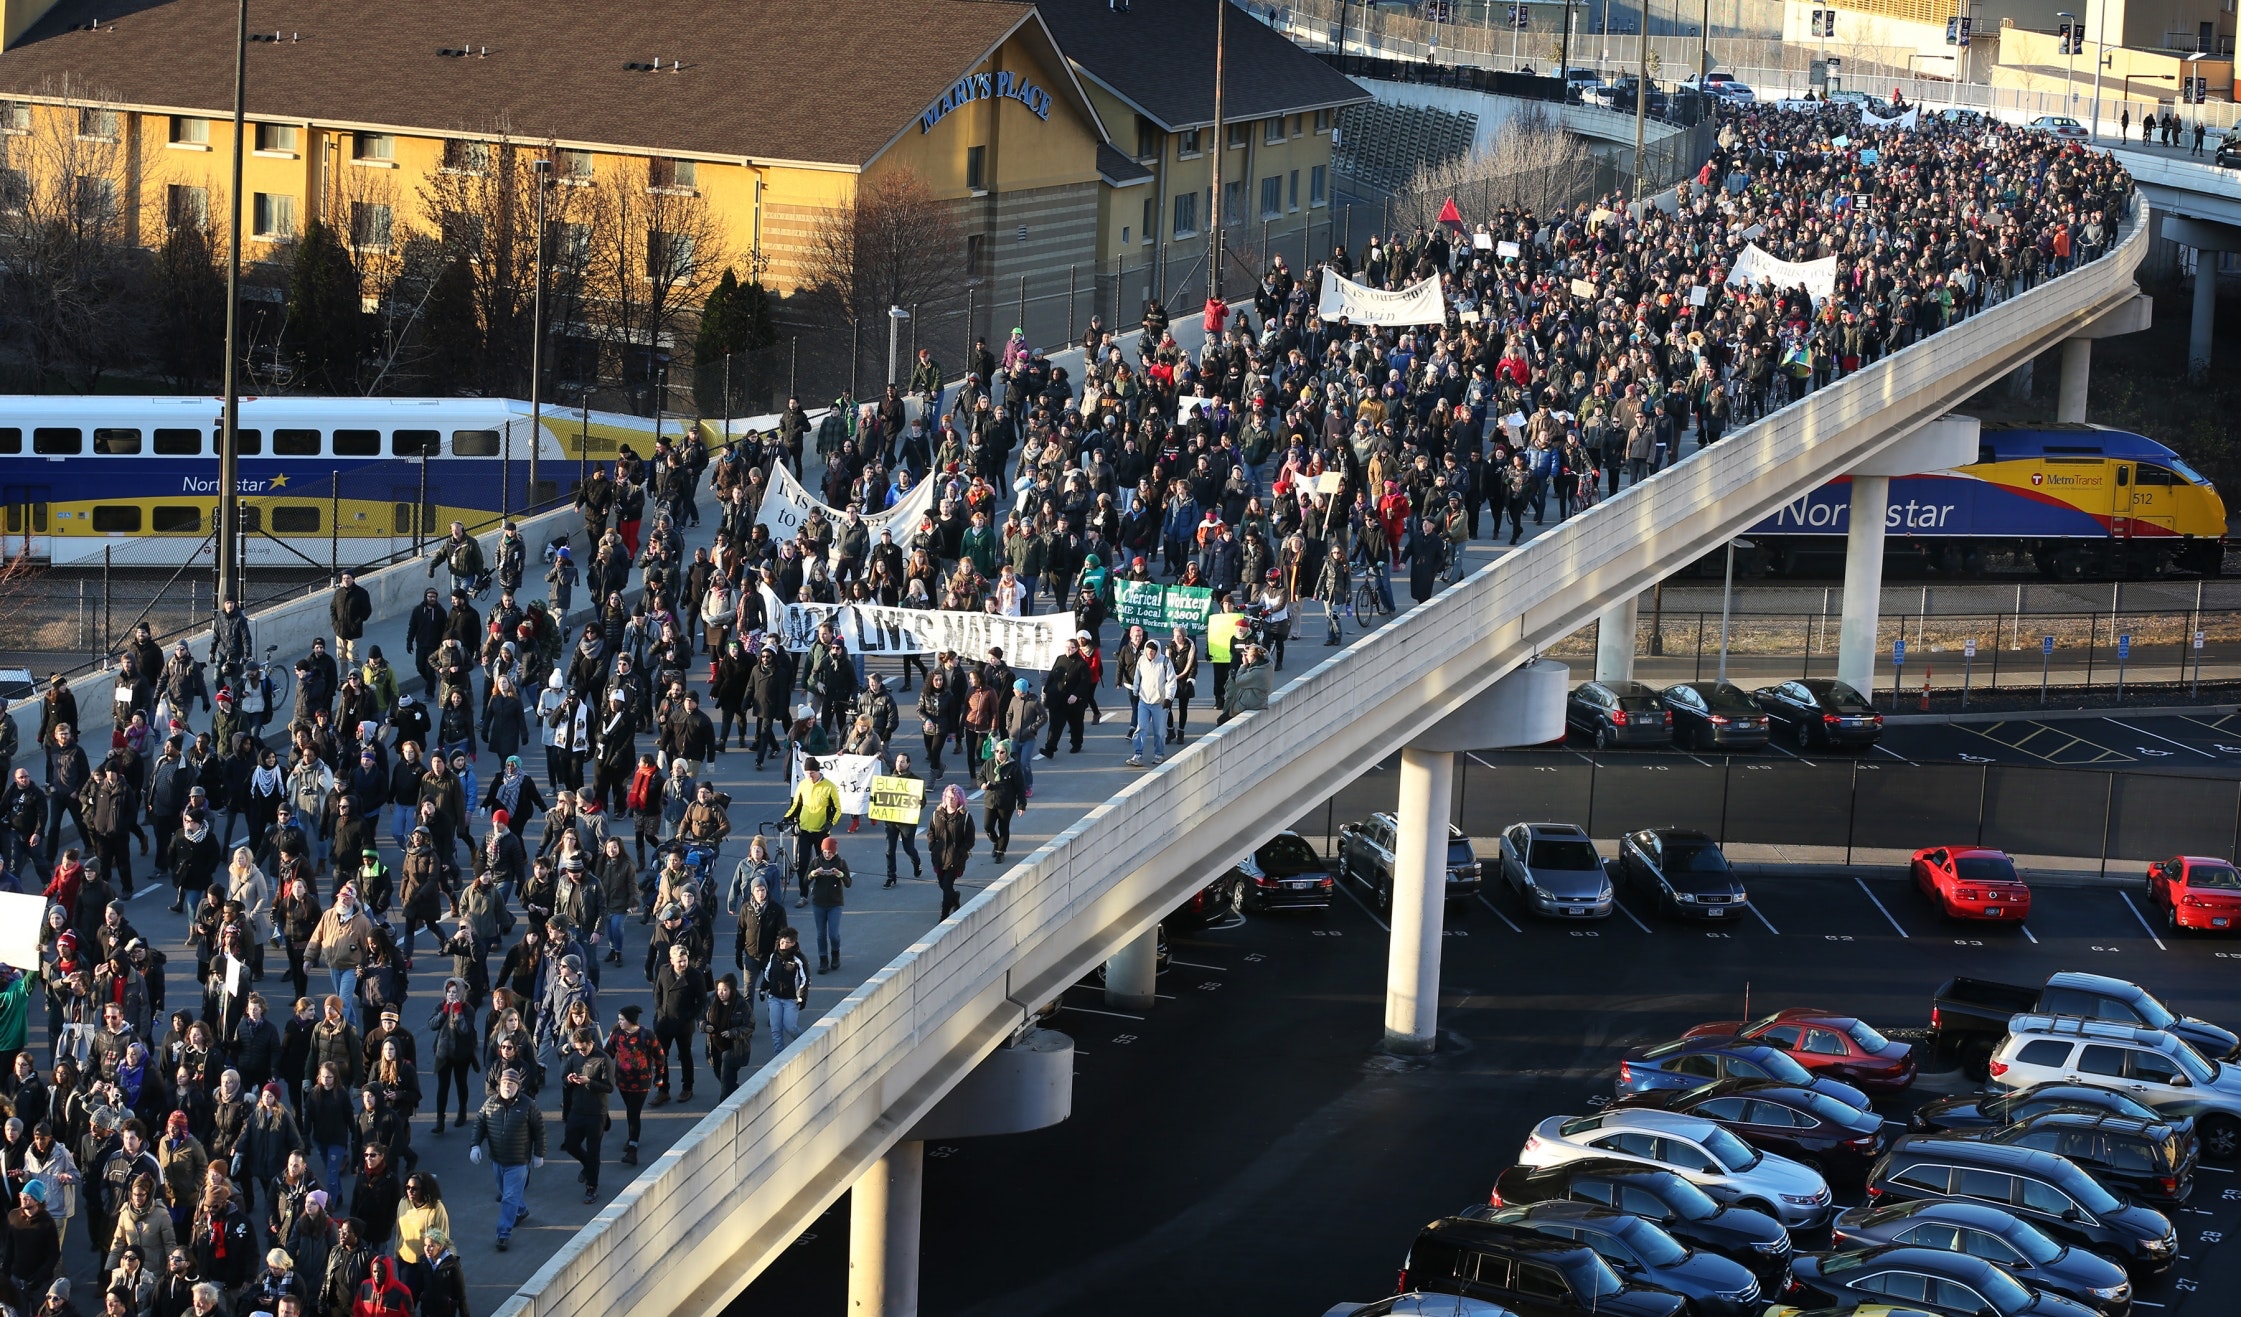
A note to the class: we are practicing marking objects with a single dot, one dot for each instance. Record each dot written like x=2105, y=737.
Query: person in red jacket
x=381, y=1295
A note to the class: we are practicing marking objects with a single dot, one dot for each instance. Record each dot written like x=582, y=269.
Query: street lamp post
x=229, y=421
x=2069, y=56
x=542, y=177
x=2100, y=62
x=1727, y=599
x=895, y=318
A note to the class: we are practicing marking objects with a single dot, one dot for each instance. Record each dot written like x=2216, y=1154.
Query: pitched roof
x=766, y=80
x=1158, y=55
x=1117, y=169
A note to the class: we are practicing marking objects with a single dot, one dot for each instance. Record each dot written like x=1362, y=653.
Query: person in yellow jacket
x=815, y=805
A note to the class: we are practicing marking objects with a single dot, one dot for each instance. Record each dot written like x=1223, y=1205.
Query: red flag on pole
x=1449, y=214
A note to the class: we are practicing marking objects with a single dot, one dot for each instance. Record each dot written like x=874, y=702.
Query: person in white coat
x=1154, y=687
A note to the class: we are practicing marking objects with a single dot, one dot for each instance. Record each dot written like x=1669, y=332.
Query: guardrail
x=706, y=1217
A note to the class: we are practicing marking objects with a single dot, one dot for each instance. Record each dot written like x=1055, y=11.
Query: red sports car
x=1972, y=882
x=1842, y=1047
x=2196, y=891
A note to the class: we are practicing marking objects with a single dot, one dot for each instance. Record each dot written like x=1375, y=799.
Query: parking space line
x=1754, y=909
x=1878, y=905
x=1792, y=754
x=1192, y=964
x=1629, y=914
x=2061, y=753
x=1497, y=911
x=2026, y=930
x=1893, y=753
x=2160, y=737
x=1365, y=909
x=2126, y=897
x=1085, y=1010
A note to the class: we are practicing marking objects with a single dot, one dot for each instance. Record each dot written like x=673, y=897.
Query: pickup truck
x=1969, y=1017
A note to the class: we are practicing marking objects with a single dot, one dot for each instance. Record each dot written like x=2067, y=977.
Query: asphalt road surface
x=1246, y=1145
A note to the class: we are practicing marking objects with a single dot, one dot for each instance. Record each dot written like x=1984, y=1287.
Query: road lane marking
x=1754, y=909
x=1497, y=911
x=1878, y=905
x=2160, y=737
x=1365, y=908
x=2126, y=897
x=1629, y=914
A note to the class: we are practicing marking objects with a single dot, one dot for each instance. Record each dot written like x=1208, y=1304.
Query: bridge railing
x=710, y=1214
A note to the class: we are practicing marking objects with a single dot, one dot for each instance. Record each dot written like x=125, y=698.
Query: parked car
x=2060, y=125
x=2196, y=891
x=1842, y=1046
x=1640, y=1250
x=1722, y=84
x=1691, y=1062
x=1555, y=870
x=1972, y=882
x=1684, y=871
x=1997, y=1236
x=1365, y=857
x=1810, y=1128
x=1526, y=1272
x=2158, y=1069
x=1929, y=1279
x=1960, y=114
x=2143, y=1159
x=1282, y=873
x=1416, y=1303
x=1971, y=1112
x=2229, y=152
x=1969, y=1017
x=1820, y=711
x=2039, y=1187
x=1713, y=715
x=1709, y=1157
x=1618, y=713
x=1741, y=1234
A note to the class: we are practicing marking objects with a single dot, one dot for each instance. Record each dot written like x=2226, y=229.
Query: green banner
x=1160, y=608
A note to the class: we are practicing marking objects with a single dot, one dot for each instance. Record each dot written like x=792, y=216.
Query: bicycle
x=1369, y=597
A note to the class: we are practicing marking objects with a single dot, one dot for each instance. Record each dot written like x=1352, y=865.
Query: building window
x=276, y=137
x=1150, y=228
x=1237, y=135
x=1233, y=202
x=1299, y=124
x=669, y=256
x=101, y=124
x=1293, y=202
x=1189, y=142
x=662, y=172
x=15, y=190
x=1272, y=131
x=466, y=157
x=570, y=245
x=976, y=247
x=1148, y=137
x=976, y=168
x=1186, y=215
x=186, y=207
x=97, y=199
x=190, y=132
x=462, y=233
x=275, y=216
x=1124, y=235
x=373, y=146
x=369, y=225
x=1272, y=196
x=1317, y=179
x=1322, y=121
x=15, y=117
x=574, y=165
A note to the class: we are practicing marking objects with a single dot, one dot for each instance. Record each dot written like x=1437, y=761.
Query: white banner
x=786, y=505
x=1903, y=122
x=1029, y=643
x=1422, y=304
x=851, y=776
x=1817, y=277
x=20, y=918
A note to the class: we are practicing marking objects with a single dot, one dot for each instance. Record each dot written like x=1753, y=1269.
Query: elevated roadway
x=827, y=1112
x=2200, y=205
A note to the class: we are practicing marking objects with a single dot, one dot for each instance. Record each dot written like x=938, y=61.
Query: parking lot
x=1245, y=1145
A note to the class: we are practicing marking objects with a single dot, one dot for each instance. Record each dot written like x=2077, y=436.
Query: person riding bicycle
x=229, y=639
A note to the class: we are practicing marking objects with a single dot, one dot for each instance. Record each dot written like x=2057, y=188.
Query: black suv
x=2139, y=1158
x=1689, y=1214
x=2048, y=1191
x=1365, y=856
x=1618, y=713
x=1642, y=1250
x=1527, y=1272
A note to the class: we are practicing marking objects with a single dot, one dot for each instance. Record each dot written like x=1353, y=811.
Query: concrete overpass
x=843, y=1106
x=2201, y=208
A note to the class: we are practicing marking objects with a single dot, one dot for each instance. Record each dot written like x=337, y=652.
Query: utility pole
x=1641, y=98
x=2100, y=62
x=542, y=176
x=229, y=447
x=1564, y=52
x=1704, y=48
x=1214, y=208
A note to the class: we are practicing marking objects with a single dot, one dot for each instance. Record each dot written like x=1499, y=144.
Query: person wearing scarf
x=949, y=843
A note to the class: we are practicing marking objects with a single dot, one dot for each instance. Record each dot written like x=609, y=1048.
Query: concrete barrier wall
x=709, y=1215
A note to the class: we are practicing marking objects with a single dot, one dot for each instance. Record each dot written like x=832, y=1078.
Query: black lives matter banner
x=874, y=630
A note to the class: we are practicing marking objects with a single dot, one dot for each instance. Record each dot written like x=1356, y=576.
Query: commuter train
x=355, y=479
x=2075, y=500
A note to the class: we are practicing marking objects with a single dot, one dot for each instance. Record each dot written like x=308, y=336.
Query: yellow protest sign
x=897, y=799
x=1221, y=629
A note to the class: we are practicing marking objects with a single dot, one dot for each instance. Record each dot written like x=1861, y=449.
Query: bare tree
x=650, y=251
x=71, y=273
x=1533, y=164
x=893, y=244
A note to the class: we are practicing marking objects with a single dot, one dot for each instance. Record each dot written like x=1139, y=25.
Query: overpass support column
x=2205, y=314
x=1525, y=707
x=2077, y=366
x=1863, y=583
x=1132, y=975
x=883, y=1234
x=1949, y=441
x=1614, y=640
